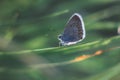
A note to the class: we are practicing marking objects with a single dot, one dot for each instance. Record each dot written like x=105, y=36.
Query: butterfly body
x=74, y=31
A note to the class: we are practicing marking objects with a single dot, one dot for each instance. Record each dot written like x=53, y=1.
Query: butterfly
x=74, y=31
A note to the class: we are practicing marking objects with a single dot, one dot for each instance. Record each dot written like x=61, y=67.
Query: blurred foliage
x=29, y=48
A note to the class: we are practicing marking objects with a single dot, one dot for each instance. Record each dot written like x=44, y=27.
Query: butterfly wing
x=74, y=31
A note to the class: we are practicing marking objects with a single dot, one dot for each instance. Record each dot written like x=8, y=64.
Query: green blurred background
x=35, y=25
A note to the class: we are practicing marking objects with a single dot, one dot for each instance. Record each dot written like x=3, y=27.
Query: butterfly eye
x=59, y=36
